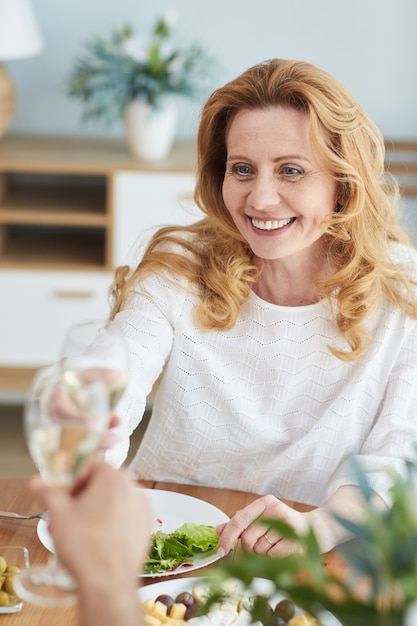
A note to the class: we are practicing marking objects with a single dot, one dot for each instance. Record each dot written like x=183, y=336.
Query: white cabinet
x=71, y=210
x=144, y=201
x=38, y=307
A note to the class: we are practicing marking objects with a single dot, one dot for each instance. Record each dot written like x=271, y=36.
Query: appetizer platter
x=176, y=603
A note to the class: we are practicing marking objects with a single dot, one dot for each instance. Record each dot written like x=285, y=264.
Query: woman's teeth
x=271, y=225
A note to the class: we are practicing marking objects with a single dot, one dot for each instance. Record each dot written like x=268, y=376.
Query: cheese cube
x=159, y=609
x=151, y=620
x=178, y=610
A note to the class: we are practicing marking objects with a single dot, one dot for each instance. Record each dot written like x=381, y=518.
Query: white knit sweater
x=265, y=407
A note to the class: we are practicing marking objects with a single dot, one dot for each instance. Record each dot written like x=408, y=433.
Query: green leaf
x=280, y=526
x=197, y=536
x=169, y=550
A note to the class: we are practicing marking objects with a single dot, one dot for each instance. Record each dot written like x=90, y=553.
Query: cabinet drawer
x=38, y=308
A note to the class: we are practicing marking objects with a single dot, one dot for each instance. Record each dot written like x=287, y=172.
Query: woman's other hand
x=256, y=536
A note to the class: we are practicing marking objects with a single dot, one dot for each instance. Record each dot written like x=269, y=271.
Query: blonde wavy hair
x=216, y=261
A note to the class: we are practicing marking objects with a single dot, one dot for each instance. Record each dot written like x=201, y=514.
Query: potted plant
x=382, y=588
x=131, y=77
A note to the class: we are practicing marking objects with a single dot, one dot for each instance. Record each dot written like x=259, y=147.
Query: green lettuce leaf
x=197, y=536
x=170, y=550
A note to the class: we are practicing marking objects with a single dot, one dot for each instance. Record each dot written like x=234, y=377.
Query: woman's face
x=274, y=188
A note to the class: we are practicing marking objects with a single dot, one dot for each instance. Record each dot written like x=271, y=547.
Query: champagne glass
x=66, y=415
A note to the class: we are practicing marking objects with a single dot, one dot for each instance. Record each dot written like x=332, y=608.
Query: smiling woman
x=283, y=326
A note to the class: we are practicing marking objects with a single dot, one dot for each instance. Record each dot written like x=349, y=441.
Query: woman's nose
x=264, y=194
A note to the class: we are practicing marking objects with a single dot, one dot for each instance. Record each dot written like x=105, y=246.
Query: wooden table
x=15, y=496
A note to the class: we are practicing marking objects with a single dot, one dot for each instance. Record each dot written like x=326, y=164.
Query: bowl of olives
x=12, y=560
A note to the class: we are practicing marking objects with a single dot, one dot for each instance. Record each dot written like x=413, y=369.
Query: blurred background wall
x=370, y=45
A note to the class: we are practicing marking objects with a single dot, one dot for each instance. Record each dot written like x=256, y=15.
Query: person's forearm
x=107, y=605
x=347, y=502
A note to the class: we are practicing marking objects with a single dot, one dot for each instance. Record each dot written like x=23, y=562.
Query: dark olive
x=275, y=620
x=285, y=609
x=185, y=598
x=270, y=618
x=165, y=599
x=191, y=611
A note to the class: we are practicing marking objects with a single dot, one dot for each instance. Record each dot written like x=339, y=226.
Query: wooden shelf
x=85, y=155
x=49, y=247
x=64, y=205
x=56, y=204
x=16, y=379
x=59, y=221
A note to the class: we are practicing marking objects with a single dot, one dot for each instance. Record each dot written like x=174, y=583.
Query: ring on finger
x=271, y=543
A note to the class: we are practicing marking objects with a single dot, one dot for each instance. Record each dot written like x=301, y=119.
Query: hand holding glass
x=66, y=416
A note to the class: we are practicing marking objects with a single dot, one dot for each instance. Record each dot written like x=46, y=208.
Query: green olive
x=8, y=585
x=4, y=598
x=3, y=564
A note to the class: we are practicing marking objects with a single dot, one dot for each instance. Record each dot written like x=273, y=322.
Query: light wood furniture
x=401, y=161
x=71, y=210
x=14, y=496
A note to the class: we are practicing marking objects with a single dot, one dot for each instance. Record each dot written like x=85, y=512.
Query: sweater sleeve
x=392, y=437
x=148, y=331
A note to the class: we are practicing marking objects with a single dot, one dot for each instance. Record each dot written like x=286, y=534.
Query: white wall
x=370, y=45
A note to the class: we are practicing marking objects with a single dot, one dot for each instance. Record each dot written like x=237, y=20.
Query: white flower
x=170, y=18
x=135, y=47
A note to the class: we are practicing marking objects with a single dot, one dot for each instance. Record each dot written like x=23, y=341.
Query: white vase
x=150, y=131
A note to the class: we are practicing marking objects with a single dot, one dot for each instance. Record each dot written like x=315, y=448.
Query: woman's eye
x=292, y=171
x=242, y=170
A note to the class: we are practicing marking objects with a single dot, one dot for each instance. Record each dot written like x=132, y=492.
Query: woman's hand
x=346, y=502
x=256, y=537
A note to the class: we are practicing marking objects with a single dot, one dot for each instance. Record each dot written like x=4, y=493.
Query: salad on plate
x=169, y=551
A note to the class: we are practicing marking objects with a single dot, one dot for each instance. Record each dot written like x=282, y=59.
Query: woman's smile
x=271, y=225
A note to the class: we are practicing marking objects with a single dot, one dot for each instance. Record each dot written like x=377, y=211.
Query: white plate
x=171, y=511
x=259, y=585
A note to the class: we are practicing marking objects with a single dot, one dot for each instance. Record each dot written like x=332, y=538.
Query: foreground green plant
x=382, y=586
